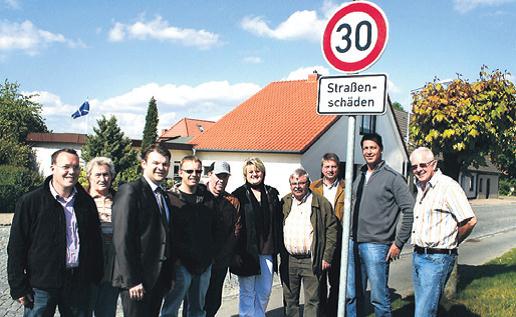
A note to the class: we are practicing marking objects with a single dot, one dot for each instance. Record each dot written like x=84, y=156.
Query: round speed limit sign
x=355, y=36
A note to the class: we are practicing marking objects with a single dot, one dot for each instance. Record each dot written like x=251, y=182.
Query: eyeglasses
x=421, y=165
x=298, y=184
x=192, y=171
x=70, y=167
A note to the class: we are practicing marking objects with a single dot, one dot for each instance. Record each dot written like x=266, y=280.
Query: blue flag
x=83, y=110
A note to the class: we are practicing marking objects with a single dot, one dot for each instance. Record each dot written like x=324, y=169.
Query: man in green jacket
x=309, y=237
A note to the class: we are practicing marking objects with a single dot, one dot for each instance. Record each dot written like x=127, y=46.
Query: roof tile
x=281, y=117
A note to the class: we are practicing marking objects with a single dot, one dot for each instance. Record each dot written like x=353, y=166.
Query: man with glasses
x=443, y=218
x=55, y=246
x=309, y=240
x=197, y=236
x=142, y=238
x=381, y=224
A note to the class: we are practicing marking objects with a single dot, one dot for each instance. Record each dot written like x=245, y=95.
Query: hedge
x=14, y=182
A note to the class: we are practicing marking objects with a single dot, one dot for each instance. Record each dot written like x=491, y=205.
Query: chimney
x=313, y=77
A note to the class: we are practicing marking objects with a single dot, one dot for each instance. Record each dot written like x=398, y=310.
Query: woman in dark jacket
x=100, y=172
x=258, y=246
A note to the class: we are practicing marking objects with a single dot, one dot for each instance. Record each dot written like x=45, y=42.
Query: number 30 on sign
x=355, y=36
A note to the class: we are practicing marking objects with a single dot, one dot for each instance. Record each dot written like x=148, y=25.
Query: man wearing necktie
x=142, y=237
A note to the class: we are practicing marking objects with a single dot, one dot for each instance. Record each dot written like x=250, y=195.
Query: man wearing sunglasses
x=197, y=235
x=443, y=218
x=381, y=224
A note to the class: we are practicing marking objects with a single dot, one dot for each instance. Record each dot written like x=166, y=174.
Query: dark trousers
x=214, y=294
x=151, y=303
x=72, y=300
x=300, y=269
x=330, y=279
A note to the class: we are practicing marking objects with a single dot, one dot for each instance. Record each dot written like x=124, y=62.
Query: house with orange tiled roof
x=280, y=125
x=186, y=128
x=178, y=136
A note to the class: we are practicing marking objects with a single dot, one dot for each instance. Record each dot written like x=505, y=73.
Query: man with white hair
x=309, y=240
x=443, y=218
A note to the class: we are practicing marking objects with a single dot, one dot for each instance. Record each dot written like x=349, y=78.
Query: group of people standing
x=80, y=249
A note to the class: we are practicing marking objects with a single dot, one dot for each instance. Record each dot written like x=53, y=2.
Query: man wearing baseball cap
x=229, y=208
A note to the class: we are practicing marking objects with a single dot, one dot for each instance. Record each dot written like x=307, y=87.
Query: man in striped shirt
x=443, y=218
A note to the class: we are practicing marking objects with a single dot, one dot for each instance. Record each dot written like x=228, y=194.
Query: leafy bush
x=14, y=182
x=505, y=186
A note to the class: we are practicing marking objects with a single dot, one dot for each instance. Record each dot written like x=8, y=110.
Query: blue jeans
x=74, y=302
x=429, y=274
x=255, y=290
x=366, y=261
x=194, y=287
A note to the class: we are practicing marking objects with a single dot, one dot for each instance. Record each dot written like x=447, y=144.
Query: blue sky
x=200, y=59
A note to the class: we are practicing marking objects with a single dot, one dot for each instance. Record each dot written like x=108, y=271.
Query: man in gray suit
x=141, y=235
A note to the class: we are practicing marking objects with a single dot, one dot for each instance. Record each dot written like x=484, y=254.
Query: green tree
x=109, y=140
x=150, y=133
x=19, y=115
x=467, y=121
x=397, y=105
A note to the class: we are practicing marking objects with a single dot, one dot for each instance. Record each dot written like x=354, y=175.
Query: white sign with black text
x=352, y=95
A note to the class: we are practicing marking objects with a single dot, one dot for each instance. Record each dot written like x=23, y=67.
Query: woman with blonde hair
x=257, y=248
x=100, y=172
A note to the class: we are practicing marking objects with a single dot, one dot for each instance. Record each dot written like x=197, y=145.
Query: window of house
x=480, y=183
x=368, y=124
x=471, y=182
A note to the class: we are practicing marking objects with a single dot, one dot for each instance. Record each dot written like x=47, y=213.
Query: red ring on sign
x=377, y=50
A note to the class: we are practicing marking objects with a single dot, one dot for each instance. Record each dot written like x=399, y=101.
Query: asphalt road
x=494, y=235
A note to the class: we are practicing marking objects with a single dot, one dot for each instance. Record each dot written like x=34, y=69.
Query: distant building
x=178, y=137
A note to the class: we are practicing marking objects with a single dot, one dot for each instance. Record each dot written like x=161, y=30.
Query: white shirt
x=438, y=211
x=330, y=192
x=298, y=231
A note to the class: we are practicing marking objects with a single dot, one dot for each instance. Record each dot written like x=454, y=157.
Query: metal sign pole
x=346, y=218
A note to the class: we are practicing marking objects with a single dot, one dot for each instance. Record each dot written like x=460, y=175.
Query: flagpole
x=87, y=119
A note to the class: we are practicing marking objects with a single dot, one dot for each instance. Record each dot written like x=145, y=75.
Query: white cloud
x=464, y=6
x=300, y=25
x=392, y=88
x=160, y=29
x=12, y=4
x=252, y=60
x=27, y=37
x=303, y=72
x=210, y=100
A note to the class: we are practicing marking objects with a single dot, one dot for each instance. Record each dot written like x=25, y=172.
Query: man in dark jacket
x=229, y=210
x=309, y=240
x=142, y=237
x=55, y=245
x=381, y=224
x=197, y=239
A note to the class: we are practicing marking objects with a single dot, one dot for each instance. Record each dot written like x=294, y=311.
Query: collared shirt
x=298, y=231
x=330, y=191
x=157, y=195
x=72, y=230
x=104, y=204
x=438, y=211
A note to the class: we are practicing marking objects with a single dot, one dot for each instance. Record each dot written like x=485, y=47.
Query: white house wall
x=335, y=140
x=44, y=151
